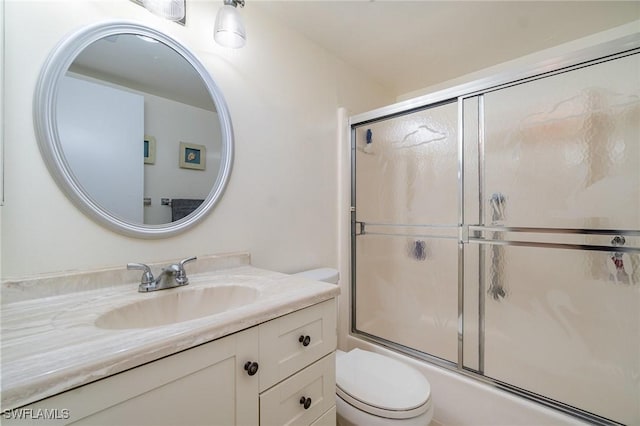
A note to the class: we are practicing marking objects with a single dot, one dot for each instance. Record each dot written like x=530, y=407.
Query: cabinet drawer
x=281, y=405
x=282, y=353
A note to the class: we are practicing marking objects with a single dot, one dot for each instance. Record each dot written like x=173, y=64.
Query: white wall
x=282, y=92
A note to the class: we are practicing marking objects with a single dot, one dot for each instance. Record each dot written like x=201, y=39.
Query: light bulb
x=229, y=30
x=168, y=9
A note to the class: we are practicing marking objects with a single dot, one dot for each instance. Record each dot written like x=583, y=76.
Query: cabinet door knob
x=305, y=340
x=251, y=367
x=305, y=402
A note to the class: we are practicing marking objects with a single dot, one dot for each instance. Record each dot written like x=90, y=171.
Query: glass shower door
x=406, y=180
x=537, y=266
x=559, y=178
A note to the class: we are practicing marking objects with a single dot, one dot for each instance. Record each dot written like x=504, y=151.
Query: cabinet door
x=291, y=342
x=203, y=385
x=283, y=404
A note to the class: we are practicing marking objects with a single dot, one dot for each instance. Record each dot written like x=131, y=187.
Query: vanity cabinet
x=291, y=342
x=203, y=385
x=210, y=384
x=302, y=398
x=297, y=377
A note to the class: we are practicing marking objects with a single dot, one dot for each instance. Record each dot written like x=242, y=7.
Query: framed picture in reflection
x=192, y=156
x=149, y=149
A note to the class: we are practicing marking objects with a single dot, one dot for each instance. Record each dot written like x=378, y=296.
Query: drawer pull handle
x=251, y=367
x=305, y=340
x=305, y=402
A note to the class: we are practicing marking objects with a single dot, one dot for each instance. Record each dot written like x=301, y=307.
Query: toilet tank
x=327, y=275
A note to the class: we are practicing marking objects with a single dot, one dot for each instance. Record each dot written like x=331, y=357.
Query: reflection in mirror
x=133, y=129
x=119, y=89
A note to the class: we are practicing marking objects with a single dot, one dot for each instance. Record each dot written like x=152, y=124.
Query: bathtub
x=463, y=401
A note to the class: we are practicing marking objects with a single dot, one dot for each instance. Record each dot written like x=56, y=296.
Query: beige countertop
x=50, y=343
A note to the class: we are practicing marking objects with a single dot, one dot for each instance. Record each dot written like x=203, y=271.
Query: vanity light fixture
x=173, y=10
x=229, y=29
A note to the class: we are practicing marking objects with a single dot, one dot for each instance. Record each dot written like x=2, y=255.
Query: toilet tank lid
x=327, y=275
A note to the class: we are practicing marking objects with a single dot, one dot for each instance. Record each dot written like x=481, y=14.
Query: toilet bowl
x=373, y=389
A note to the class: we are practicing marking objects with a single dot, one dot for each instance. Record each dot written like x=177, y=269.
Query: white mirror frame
x=45, y=122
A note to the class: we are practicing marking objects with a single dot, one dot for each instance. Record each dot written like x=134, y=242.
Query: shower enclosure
x=497, y=233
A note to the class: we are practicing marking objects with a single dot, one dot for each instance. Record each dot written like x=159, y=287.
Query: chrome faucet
x=172, y=276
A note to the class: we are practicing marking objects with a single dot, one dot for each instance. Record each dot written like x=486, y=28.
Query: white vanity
x=270, y=361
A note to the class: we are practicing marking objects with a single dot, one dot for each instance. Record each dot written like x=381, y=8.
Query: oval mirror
x=133, y=129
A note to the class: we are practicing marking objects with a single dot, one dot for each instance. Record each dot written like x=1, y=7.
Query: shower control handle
x=305, y=340
x=305, y=402
x=251, y=367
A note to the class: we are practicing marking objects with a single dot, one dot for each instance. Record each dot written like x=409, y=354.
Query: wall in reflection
x=167, y=121
x=170, y=123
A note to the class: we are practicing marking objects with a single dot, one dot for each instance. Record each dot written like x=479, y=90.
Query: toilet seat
x=380, y=385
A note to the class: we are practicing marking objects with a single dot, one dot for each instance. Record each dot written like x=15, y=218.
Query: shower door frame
x=614, y=49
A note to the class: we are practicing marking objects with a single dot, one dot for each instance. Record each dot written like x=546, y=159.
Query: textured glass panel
x=564, y=151
x=407, y=168
x=565, y=327
x=406, y=290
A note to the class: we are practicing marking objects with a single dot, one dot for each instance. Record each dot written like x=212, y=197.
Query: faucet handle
x=189, y=259
x=147, y=276
x=181, y=274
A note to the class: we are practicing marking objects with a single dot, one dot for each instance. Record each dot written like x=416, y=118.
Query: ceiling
x=140, y=63
x=410, y=45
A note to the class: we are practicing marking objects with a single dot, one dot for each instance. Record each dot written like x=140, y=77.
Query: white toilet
x=373, y=389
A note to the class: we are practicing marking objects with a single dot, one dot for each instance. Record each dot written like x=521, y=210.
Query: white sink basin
x=177, y=306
